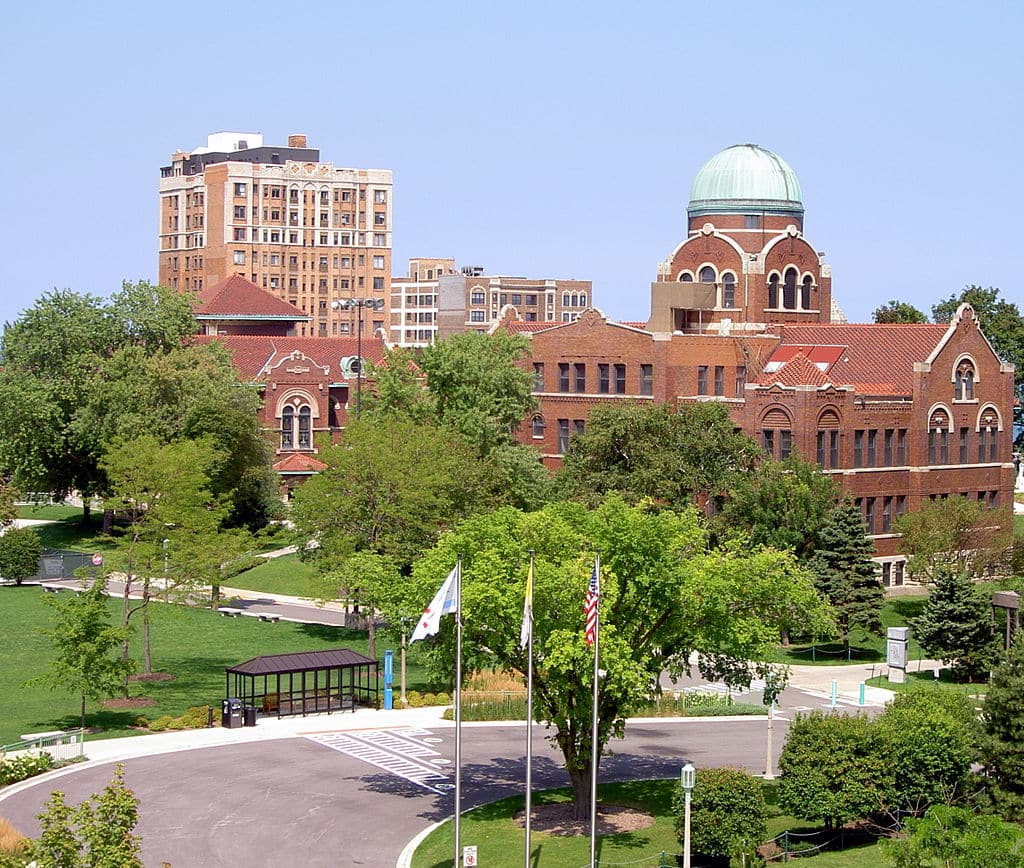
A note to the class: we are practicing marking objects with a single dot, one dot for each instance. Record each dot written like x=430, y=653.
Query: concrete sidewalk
x=817, y=680
x=266, y=729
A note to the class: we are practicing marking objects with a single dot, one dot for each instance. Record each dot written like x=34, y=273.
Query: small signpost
x=469, y=857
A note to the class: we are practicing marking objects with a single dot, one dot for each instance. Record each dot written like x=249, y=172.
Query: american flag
x=590, y=608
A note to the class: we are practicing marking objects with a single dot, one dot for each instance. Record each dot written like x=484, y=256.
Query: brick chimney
x=296, y=141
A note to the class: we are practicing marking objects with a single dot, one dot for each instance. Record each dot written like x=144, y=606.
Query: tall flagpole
x=529, y=708
x=593, y=730
x=458, y=709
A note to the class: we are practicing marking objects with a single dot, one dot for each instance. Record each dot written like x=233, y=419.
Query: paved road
x=357, y=797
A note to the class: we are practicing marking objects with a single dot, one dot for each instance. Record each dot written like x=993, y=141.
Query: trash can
x=231, y=713
x=249, y=716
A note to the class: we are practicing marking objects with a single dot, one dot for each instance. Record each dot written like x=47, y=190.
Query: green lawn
x=68, y=532
x=194, y=645
x=499, y=841
x=284, y=575
x=50, y=512
x=864, y=648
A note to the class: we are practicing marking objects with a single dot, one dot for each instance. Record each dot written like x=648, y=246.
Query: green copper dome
x=745, y=178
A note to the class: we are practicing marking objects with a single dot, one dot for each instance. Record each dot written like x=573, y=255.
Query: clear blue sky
x=553, y=139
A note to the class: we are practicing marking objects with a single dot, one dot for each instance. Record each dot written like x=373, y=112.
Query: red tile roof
x=518, y=326
x=253, y=355
x=238, y=298
x=798, y=371
x=876, y=359
x=299, y=462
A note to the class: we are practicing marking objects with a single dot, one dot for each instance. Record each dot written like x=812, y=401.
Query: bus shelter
x=305, y=682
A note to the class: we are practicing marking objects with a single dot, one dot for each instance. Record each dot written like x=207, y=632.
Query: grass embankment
x=499, y=840
x=193, y=645
x=864, y=647
x=284, y=575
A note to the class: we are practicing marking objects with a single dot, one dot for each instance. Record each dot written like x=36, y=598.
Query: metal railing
x=62, y=745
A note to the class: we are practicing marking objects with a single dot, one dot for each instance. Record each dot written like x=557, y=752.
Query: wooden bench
x=267, y=616
x=229, y=612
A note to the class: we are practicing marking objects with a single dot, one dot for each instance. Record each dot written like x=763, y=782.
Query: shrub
x=429, y=699
x=161, y=723
x=728, y=813
x=414, y=698
x=442, y=699
x=25, y=766
x=11, y=840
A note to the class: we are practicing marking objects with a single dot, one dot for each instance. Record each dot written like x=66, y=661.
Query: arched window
x=565, y=299
x=574, y=300
x=297, y=426
x=964, y=380
x=773, y=291
x=538, y=427
x=287, y=428
x=777, y=433
x=938, y=437
x=789, y=289
x=728, y=289
x=707, y=274
x=686, y=277
x=988, y=435
x=805, y=292
x=827, y=445
x=583, y=299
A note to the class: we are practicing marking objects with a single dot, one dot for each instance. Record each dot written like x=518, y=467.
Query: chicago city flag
x=445, y=602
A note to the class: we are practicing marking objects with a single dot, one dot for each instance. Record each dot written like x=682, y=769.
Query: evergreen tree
x=956, y=626
x=845, y=574
x=1002, y=743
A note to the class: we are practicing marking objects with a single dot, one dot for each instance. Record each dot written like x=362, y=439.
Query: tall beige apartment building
x=311, y=233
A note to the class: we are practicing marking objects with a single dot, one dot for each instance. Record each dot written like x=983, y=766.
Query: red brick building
x=309, y=385
x=742, y=313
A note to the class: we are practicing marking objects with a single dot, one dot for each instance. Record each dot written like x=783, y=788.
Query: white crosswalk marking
x=401, y=752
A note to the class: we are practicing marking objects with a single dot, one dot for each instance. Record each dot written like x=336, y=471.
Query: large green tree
x=782, y=504
x=831, y=769
x=956, y=626
x=391, y=487
x=663, y=596
x=87, y=647
x=728, y=813
x=845, y=574
x=161, y=492
x=1002, y=743
x=928, y=741
x=954, y=837
x=1000, y=320
x=187, y=392
x=49, y=359
x=475, y=386
x=644, y=451
x=953, y=533
x=898, y=312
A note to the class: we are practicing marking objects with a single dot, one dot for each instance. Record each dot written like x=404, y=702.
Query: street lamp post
x=687, y=779
x=358, y=304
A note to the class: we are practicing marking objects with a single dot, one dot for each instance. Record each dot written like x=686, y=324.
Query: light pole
x=687, y=779
x=358, y=304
